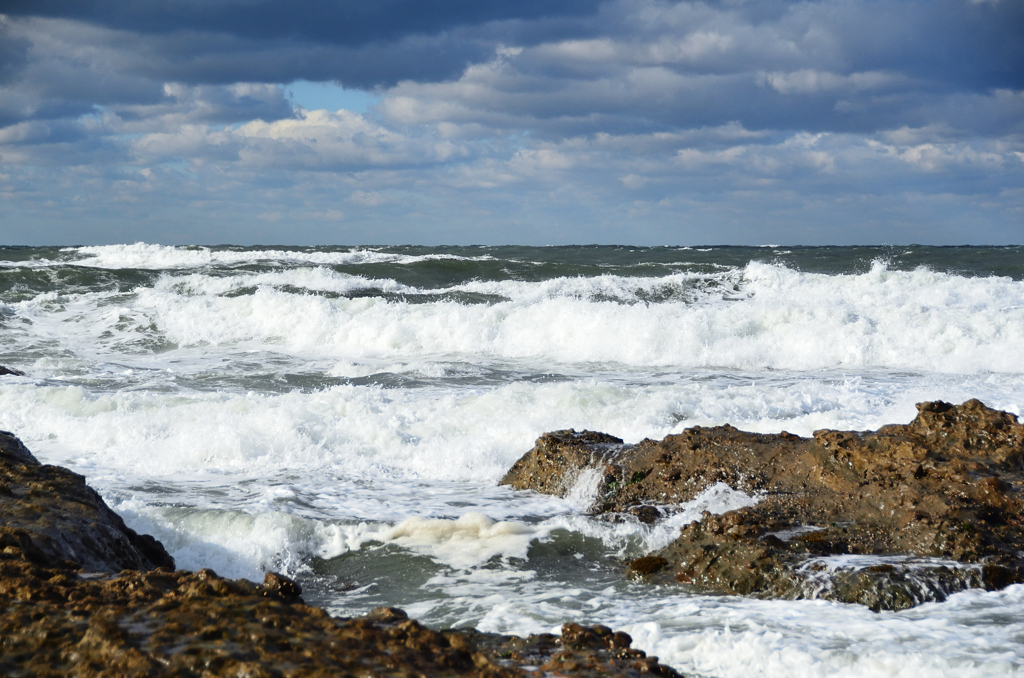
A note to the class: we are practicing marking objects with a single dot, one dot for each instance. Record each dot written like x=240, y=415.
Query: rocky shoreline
x=888, y=519
x=81, y=594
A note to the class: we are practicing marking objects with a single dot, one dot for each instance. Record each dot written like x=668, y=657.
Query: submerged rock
x=889, y=519
x=63, y=610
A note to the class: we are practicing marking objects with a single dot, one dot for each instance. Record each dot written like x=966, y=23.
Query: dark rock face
x=52, y=516
x=937, y=503
x=64, y=613
x=11, y=371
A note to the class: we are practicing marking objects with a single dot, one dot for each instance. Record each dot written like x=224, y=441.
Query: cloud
x=316, y=140
x=807, y=80
x=582, y=114
x=348, y=22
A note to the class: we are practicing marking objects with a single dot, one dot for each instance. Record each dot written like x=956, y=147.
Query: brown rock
x=52, y=516
x=164, y=623
x=938, y=500
x=645, y=566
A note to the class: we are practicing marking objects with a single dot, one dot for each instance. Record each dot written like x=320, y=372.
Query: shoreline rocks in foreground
x=81, y=594
x=888, y=519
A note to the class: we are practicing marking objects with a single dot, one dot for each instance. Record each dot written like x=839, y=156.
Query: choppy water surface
x=344, y=414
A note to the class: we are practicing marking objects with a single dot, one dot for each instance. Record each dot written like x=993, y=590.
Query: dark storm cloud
x=340, y=22
x=825, y=66
x=13, y=54
x=290, y=26
x=841, y=66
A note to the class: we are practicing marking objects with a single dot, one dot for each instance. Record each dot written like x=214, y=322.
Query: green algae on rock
x=888, y=519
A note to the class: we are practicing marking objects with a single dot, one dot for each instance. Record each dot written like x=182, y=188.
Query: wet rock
x=889, y=519
x=52, y=516
x=645, y=566
x=554, y=465
x=282, y=587
x=55, y=622
x=11, y=371
x=12, y=449
x=63, y=612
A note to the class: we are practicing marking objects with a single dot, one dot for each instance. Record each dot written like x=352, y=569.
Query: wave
x=763, y=317
x=160, y=257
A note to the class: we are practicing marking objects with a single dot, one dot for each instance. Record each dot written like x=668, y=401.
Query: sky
x=534, y=122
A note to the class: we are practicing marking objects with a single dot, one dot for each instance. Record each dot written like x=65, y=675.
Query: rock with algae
x=889, y=519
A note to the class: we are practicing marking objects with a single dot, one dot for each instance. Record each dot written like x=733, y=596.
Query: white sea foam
x=236, y=544
x=583, y=492
x=158, y=257
x=783, y=320
x=364, y=432
x=472, y=539
x=817, y=639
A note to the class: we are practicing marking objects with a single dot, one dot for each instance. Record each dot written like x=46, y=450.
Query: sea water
x=344, y=414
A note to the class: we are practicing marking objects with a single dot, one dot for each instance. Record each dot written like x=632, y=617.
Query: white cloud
x=809, y=81
x=315, y=139
x=530, y=161
x=597, y=49
x=329, y=215
x=693, y=158
x=690, y=48
x=935, y=157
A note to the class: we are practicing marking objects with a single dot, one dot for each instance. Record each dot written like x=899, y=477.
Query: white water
x=262, y=419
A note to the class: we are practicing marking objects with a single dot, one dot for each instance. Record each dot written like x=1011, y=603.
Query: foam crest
x=683, y=287
x=917, y=320
x=460, y=435
x=298, y=280
x=363, y=431
x=158, y=257
x=779, y=319
x=732, y=637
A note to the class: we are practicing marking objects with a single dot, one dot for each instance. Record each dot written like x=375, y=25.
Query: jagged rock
x=52, y=516
x=63, y=613
x=55, y=622
x=937, y=503
x=11, y=371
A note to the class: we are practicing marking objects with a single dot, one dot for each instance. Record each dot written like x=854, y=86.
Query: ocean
x=343, y=415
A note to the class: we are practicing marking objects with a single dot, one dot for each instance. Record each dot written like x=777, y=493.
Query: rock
x=13, y=449
x=889, y=519
x=11, y=371
x=55, y=623
x=554, y=465
x=52, y=516
x=63, y=612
